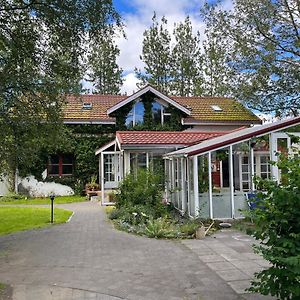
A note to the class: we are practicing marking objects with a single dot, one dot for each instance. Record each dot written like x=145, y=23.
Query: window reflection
x=137, y=113
x=157, y=112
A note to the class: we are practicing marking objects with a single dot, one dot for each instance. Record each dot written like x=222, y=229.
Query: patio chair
x=251, y=198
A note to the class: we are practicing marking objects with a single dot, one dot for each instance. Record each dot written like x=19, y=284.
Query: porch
x=212, y=179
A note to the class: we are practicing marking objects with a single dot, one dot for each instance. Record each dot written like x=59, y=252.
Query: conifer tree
x=157, y=56
x=105, y=72
x=186, y=61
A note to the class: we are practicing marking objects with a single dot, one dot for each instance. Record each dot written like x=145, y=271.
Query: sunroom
x=213, y=178
x=133, y=150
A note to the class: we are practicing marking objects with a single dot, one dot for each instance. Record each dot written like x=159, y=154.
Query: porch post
x=102, y=178
x=196, y=189
x=210, y=187
x=252, y=186
x=231, y=181
x=183, y=181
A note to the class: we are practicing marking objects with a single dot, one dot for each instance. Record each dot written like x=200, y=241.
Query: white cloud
x=129, y=84
x=137, y=22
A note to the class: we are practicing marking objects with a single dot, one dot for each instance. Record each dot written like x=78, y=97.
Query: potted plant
x=111, y=196
x=92, y=185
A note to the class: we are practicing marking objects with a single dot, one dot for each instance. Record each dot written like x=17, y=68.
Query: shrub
x=278, y=229
x=143, y=188
x=160, y=228
x=12, y=196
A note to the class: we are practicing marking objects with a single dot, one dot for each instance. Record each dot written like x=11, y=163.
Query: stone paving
x=88, y=259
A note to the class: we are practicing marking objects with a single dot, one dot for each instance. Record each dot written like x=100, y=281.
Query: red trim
x=60, y=166
x=287, y=123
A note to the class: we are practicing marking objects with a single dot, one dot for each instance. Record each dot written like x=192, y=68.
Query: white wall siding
x=3, y=186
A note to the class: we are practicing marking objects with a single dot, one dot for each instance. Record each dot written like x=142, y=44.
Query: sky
x=137, y=17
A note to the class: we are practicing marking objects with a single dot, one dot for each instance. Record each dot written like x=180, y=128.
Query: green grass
x=14, y=219
x=7, y=200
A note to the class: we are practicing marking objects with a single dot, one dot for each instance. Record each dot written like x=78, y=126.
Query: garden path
x=88, y=259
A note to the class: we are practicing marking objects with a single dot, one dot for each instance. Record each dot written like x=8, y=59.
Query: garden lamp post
x=52, y=196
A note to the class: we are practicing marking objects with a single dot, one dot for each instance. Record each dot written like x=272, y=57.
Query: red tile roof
x=164, y=137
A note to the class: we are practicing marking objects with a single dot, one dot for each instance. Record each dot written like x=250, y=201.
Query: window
x=262, y=169
x=137, y=161
x=87, y=105
x=137, y=113
x=157, y=113
x=216, y=108
x=61, y=165
x=109, y=174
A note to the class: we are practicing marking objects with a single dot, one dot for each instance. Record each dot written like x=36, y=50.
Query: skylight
x=216, y=108
x=87, y=105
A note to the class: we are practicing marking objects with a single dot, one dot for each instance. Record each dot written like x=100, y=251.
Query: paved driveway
x=88, y=259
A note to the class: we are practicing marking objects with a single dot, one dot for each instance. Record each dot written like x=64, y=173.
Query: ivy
x=82, y=140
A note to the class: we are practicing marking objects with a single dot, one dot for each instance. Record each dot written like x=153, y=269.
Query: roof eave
x=91, y=122
x=143, y=91
x=239, y=123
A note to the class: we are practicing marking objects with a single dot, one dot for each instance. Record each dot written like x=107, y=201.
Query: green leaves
x=42, y=58
x=278, y=229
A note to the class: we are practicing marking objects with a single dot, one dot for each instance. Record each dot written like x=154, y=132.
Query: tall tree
x=42, y=46
x=105, y=72
x=186, y=61
x=156, y=55
x=218, y=76
x=265, y=35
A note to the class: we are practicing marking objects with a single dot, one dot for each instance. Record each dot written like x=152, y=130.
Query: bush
x=160, y=228
x=144, y=188
x=12, y=196
x=278, y=229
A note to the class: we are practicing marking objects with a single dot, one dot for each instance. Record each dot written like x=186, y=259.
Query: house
x=136, y=131
x=189, y=120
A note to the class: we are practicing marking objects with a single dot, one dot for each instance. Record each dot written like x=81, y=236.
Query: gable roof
x=148, y=88
x=235, y=137
x=184, y=138
x=199, y=108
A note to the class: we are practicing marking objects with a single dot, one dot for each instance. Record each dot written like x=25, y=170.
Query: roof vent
x=87, y=105
x=216, y=108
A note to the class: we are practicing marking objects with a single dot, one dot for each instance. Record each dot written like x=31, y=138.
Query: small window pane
x=263, y=168
x=156, y=112
x=142, y=160
x=245, y=160
x=263, y=159
x=67, y=159
x=67, y=169
x=245, y=177
x=129, y=119
x=54, y=159
x=139, y=113
x=53, y=170
x=245, y=168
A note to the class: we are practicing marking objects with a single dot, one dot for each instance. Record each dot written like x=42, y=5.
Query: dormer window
x=87, y=105
x=216, y=108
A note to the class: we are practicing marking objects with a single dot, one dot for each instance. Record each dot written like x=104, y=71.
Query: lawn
x=23, y=218
x=7, y=200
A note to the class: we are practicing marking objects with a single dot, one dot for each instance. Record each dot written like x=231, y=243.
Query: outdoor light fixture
x=52, y=196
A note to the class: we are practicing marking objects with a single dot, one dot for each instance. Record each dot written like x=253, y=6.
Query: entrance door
x=110, y=172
